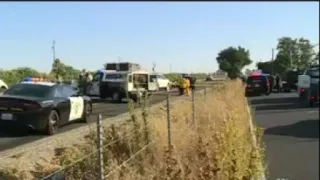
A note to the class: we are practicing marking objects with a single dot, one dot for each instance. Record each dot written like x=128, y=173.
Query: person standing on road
x=82, y=82
x=278, y=82
x=88, y=80
x=187, y=85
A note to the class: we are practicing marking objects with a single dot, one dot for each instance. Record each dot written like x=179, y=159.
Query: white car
x=161, y=81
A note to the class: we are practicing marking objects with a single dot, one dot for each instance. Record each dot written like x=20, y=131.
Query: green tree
x=316, y=59
x=232, y=60
x=306, y=54
x=58, y=69
x=18, y=74
x=63, y=71
x=294, y=53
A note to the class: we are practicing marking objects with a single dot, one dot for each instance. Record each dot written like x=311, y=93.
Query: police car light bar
x=36, y=79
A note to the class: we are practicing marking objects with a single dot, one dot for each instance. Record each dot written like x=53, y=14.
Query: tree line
x=290, y=54
x=60, y=71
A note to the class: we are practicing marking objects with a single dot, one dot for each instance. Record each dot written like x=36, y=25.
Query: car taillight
x=268, y=84
x=248, y=85
x=302, y=89
x=31, y=105
x=312, y=97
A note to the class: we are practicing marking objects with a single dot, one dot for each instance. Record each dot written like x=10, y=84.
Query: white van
x=119, y=84
x=161, y=82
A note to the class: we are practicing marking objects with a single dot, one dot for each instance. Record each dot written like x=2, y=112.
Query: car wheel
x=2, y=89
x=87, y=111
x=311, y=103
x=116, y=97
x=53, y=123
x=102, y=95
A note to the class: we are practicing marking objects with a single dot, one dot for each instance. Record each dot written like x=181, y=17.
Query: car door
x=76, y=103
x=94, y=89
x=63, y=104
x=152, y=83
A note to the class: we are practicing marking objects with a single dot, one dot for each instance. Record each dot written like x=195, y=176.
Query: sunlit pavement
x=291, y=136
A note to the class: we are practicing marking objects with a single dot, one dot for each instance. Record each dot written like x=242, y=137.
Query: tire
x=53, y=123
x=103, y=96
x=116, y=97
x=311, y=103
x=2, y=89
x=87, y=111
x=267, y=93
x=102, y=92
x=135, y=99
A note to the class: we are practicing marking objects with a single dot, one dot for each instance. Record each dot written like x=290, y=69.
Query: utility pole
x=272, y=60
x=290, y=58
x=154, y=66
x=54, y=50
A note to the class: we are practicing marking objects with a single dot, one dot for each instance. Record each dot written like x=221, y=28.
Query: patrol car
x=42, y=106
x=308, y=85
x=257, y=83
x=118, y=84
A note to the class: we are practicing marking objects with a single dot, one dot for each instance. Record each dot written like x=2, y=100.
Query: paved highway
x=291, y=136
x=106, y=108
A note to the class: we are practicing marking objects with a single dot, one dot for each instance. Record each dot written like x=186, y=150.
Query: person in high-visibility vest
x=186, y=85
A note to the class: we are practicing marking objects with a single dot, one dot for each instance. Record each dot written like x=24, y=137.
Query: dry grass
x=217, y=145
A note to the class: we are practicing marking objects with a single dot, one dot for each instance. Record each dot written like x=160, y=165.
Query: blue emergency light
x=28, y=79
x=35, y=79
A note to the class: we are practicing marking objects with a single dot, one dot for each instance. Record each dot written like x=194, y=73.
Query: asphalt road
x=291, y=136
x=104, y=107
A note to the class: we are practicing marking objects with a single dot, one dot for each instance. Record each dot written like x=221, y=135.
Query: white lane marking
x=310, y=112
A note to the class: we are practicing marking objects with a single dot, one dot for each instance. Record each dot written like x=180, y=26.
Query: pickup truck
x=308, y=85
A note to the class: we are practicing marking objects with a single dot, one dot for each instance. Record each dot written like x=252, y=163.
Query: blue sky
x=186, y=35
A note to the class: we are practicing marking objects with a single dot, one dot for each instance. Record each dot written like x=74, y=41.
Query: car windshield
x=256, y=79
x=32, y=90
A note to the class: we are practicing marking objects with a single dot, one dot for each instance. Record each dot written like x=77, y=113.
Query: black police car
x=257, y=83
x=42, y=106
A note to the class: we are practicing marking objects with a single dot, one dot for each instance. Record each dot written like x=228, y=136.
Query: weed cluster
x=217, y=145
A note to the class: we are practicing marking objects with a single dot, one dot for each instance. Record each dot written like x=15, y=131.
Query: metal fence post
x=169, y=120
x=193, y=107
x=100, y=147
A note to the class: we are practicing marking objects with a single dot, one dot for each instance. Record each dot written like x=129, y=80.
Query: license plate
x=257, y=85
x=6, y=116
